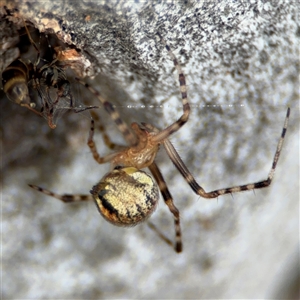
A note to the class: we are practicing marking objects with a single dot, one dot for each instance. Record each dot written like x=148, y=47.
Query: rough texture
x=241, y=60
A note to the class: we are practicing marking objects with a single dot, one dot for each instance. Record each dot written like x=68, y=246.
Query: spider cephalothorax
x=140, y=155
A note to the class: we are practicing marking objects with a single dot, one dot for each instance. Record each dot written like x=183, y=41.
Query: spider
x=126, y=195
x=47, y=78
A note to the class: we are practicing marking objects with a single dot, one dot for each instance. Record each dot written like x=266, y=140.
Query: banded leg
x=165, y=133
x=179, y=164
x=169, y=202
x=111, y=145
x=67, y=198
x=99, y=159
x=113, y=113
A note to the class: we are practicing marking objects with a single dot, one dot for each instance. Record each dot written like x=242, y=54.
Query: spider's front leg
x=165, y=133
x=179, y=164
x=113, y=113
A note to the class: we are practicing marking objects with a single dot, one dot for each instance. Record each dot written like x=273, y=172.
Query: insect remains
x=37, y=80
x=126, y=195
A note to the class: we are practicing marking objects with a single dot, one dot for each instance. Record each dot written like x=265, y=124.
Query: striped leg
x=174, y=156
x=113, y=113
x=111, y=145
x=99, y=159
x=169, y=202
x=186, y=107
x=67, y=198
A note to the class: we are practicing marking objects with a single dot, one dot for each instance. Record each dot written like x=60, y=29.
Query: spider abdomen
x=126, y=196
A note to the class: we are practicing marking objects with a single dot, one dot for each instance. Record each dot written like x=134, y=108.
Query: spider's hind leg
x=179, y=164
x=159, y=233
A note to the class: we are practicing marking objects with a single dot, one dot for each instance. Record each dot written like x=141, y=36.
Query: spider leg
x=111, y=145
x=186, y=106
x=159, y=233
x=93, y=147
x=113, y=113
x=174, y=156
x=67, y=198
x=169, y=202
